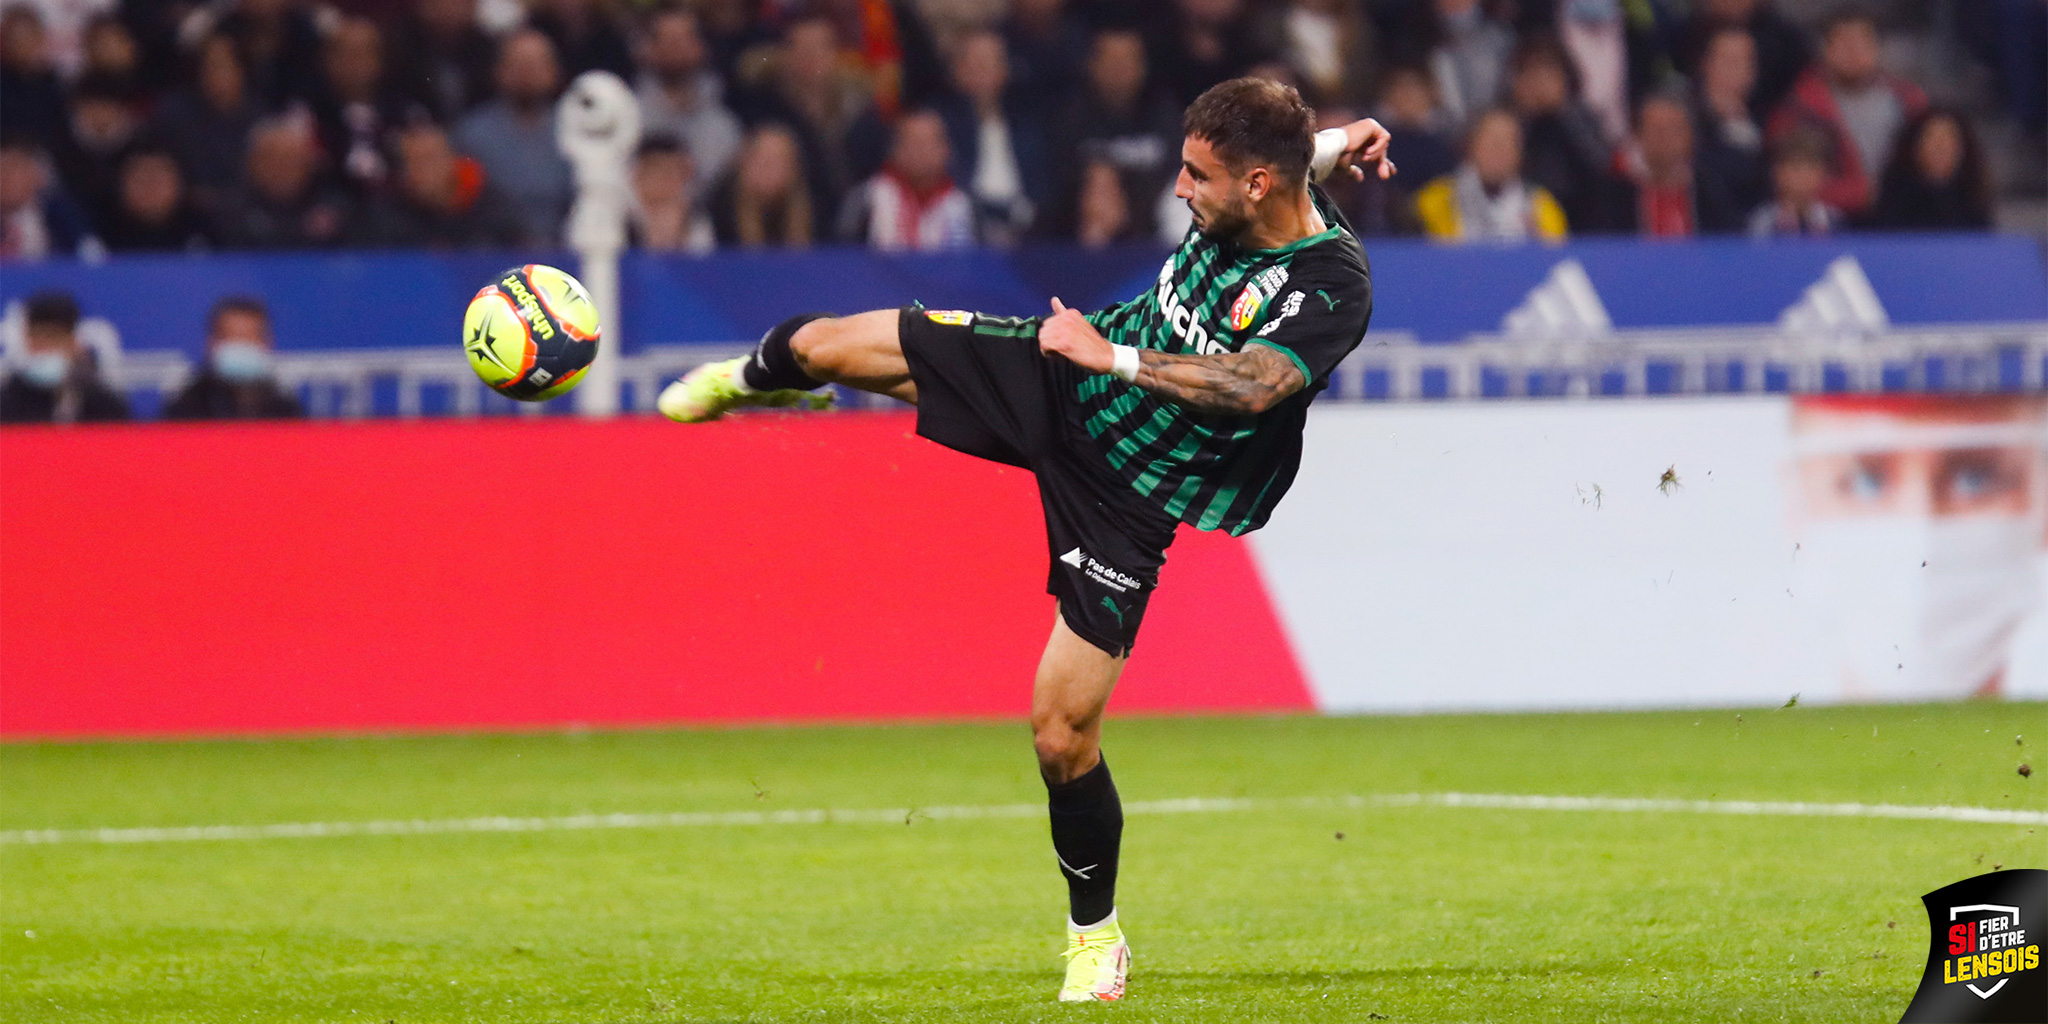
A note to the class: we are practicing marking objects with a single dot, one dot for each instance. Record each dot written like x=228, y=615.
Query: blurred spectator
x=1596, y=40
x=1666, y=196
x=911, y=203
x=887, y=42
x=1780, y=47
x=153, y=213
x=1206, y=42
x=209, y=126
x=731, y=28
x=38, y=219
x=765, y=202
x=57, y=381
x=513, y=136
x=1857, y=105
x=1562, y=146
x=440, y=199
x=1117, y=120
x=1465, y=49
x=682, y=97
x=239, y=381
x=281, y=203
x=1330, y=46
x=1048, y=49
x=357, y=105
x=1937, y=178
x=822, y=104
x=1420, y=148
x=1103, y=214
x=31, y=97
x=585, y=35
x=444, y=57
x=1730, y=142
x=998, y=148
x=1486, y=199
x=666, y=217
x=111, y=52
x=279, y=45
x=103, y=120
x=1799, y=174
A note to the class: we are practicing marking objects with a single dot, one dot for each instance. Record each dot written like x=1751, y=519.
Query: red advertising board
x=178, y=580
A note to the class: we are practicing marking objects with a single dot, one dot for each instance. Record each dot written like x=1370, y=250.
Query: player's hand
x=1067, y=333
x=1366, y=143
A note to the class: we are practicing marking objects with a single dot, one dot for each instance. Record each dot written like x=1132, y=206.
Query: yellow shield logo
x=1246, y=308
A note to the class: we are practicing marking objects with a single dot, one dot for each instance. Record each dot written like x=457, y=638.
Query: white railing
x=1390, y=366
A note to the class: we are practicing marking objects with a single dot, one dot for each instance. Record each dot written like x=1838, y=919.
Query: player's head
x=1245, y=140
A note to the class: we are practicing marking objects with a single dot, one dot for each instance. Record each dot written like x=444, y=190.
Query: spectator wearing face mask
x=153, y=213
x=56, y=381
x=513, y=136
x=1856, y=105
x=912, y=203
x=1487, y=199
x=239, y=381
x=38, y=220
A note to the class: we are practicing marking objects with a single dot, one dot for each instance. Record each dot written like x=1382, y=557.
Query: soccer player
x=1182, y=405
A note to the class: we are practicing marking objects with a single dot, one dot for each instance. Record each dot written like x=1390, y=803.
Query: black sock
x=773, y=367
x=1087, y=829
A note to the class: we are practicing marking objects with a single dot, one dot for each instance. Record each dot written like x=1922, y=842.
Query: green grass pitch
x=1420, y=913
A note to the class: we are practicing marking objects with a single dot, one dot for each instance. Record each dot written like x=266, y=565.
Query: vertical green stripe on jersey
x=1208, y=470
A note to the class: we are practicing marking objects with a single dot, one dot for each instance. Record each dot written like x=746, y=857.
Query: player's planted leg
x=1074, y=681
x=794, y=359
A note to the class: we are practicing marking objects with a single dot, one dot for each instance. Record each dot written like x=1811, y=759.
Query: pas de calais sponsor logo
x=1113, y=578
x=1984, y=959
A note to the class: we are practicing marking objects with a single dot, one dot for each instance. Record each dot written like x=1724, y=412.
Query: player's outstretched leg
x=796, y=357
x=1073, y=684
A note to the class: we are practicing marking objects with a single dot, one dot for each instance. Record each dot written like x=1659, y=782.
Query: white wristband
x=1330, y=144
x=1124, y=362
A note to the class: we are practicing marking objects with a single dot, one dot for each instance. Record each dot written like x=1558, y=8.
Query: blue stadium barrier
x=1434, y=293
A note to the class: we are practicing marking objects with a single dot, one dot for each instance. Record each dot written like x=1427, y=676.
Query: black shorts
x=990, y=394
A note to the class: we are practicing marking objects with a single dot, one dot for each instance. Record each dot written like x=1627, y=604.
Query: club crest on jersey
x=1246, y=308
x=950, y=317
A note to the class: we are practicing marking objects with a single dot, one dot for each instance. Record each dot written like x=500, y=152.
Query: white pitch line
x=905, y=815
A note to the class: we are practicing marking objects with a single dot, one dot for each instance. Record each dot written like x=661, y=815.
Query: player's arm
x=1230, y=383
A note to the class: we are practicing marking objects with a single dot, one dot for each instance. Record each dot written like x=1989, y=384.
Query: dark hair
x=249, y=304
x=51, y=309
x=1541, y=47
x=1802, y=143
x=1973, y=173
x=16, y=139
x=1848, y=14
x=101, y=85
x=661, y=144
x=1255, y=122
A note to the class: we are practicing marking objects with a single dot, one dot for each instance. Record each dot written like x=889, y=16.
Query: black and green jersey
x=1309, y=299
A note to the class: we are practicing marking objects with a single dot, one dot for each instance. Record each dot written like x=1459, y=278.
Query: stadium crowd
x=173, y=125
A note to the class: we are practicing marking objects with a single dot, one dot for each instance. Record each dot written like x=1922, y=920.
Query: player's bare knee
x=811, y=345
x=1062, y=750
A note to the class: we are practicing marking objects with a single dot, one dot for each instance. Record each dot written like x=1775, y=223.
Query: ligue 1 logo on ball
x=1984, y=965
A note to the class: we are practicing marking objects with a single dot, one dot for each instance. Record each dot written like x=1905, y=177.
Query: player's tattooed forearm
x=1233, y=384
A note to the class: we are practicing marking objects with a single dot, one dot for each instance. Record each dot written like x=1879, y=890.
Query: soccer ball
x=531, y=333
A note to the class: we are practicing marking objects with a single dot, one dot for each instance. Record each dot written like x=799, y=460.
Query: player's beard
x=1226, y=223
